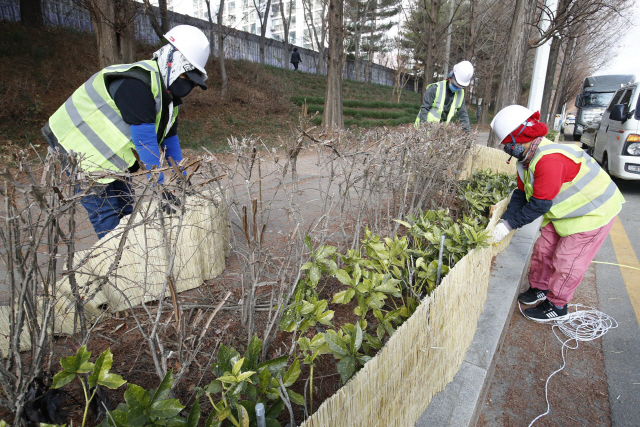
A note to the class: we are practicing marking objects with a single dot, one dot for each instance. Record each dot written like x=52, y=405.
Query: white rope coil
x=583, y=324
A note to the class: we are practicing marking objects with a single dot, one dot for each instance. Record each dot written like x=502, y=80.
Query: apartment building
x=243, y=15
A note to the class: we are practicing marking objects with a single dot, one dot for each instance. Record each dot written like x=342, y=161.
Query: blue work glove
x=146, y=142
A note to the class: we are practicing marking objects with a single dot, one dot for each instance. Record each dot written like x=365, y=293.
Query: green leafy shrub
x=426, y=231
x=484, y=189
x=97, y=374
x=307, y=309
x=345, y=345
x=151, y=408
x=242, y=382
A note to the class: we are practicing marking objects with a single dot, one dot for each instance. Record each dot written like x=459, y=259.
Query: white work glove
x=500, y=232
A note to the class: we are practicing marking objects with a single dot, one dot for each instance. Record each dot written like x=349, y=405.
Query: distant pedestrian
x=295, y=58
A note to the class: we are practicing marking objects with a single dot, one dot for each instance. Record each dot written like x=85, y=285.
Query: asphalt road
x=618, y=285
x=619, y=293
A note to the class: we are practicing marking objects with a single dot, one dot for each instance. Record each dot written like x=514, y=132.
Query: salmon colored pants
x=558, y=263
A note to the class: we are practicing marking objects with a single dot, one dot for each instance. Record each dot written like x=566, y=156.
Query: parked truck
x=597, y=92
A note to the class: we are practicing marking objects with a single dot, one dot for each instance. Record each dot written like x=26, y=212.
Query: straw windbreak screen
x=487, y=158
x=423, y=355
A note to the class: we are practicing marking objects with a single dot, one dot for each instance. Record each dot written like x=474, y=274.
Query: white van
x=615, y=143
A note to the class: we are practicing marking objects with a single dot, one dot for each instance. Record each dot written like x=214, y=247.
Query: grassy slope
x=39, y=70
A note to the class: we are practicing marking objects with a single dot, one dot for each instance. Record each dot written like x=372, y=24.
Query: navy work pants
x=107, y=208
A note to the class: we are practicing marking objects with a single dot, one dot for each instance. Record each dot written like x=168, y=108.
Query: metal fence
x=238, y=44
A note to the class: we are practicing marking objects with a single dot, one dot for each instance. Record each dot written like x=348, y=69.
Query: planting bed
x=374, y=313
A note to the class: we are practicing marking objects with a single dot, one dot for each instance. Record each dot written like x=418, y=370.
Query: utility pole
x=542, y=59
x=448, y=48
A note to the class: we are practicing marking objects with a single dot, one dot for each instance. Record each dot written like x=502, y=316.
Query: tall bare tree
x=511, y=81
x=549, y=80
x=572, y=17
x=31, y=13
x=286, y=23
x=332, y=117
x=164, y=16
x=162, y=26
x=262, y=10
x=317, y=29
x=224, y=81
x=358, y=12
x=113, y=22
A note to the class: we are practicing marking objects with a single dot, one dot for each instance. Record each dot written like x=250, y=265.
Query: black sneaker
x=546, y=312
x=532, y=296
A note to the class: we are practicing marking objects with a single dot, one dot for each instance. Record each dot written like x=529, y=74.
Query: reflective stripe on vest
x=591, y=194
x=90, y=123
x=435, y=113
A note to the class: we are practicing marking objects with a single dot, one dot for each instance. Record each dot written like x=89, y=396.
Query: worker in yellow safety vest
x=445, y=99
x=576, y=198
x=126, y=107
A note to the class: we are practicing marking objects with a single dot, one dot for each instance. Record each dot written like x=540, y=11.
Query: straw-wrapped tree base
x=201, y=241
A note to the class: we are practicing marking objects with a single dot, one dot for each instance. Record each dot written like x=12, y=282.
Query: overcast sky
x=627, y=60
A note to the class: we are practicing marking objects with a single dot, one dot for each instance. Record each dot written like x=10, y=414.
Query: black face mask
x=515, y=150
x=181, y=88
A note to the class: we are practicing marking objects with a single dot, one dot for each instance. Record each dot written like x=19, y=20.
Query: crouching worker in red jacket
x=576, y=198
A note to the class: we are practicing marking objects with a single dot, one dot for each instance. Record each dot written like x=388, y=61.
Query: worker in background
x=126, y=107
x=576, y=198
x=444, y=99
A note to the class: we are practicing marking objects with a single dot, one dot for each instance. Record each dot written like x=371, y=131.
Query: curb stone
x=460, y=403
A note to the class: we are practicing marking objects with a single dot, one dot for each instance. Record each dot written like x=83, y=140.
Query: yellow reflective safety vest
x=588, y=202
x=90, y=123
x=435, y=114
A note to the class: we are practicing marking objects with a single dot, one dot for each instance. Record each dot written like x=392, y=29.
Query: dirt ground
x=131, y=355
x=578, y=394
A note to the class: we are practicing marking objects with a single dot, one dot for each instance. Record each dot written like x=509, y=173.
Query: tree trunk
x=429, y=63
x=447, y=50
x=549, y=80
x=285, y=25
x=31, y=13
x=263, y=28
x=488, y=88
x=473, y=32
x=358, y=38
x=224, y=82
x=153, y=20
x=511, y=81
x=332, y=117
x=486, y=100
x=564, y=74
x=356, y=53
x=313, y=33
x=115, y=33
x=164, y=16
x=369, y=75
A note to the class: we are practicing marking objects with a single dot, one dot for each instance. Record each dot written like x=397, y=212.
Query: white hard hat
x=462, y=73
x=509, y=119
x=192, y=43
